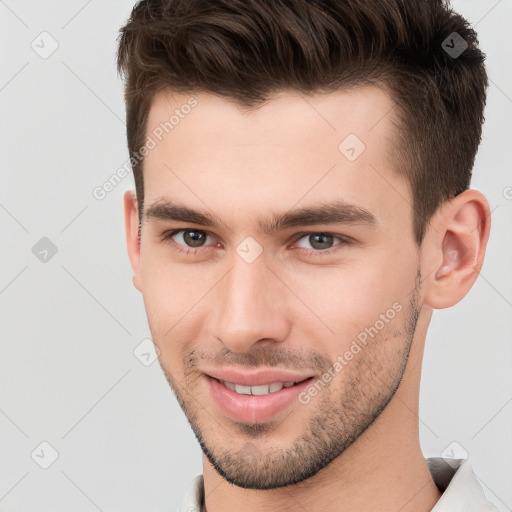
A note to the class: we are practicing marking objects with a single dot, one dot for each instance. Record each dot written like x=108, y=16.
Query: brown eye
x=187, y=238
x=320, y=241
x=194, y=238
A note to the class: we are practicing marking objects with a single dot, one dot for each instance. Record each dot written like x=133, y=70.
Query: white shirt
x=453, y=477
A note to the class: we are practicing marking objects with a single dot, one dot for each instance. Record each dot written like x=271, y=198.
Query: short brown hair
x=245, y=50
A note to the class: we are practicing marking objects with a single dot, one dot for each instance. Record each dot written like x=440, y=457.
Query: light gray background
x=70, y=325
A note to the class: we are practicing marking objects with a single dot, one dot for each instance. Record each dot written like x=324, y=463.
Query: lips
x=257, y=396
x=256, y=377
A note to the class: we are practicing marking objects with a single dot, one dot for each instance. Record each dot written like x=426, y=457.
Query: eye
x=188, y=241
x=322, y=243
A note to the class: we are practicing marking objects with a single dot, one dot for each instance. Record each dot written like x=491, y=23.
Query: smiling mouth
x=263, y=389
x=256, y=398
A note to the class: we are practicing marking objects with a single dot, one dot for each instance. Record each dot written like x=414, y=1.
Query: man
x=302, y=205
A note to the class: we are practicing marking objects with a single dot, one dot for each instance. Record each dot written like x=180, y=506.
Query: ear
x=131, y=226
x=454, y=248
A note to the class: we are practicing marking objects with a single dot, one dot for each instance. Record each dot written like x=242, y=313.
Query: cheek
x=163, y=291
x=174, y=299
x=352, y=297
x=166, y=319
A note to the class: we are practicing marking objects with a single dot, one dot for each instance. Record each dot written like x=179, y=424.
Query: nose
x=253, y=304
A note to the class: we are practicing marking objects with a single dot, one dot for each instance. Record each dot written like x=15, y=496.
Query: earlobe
x=131, y=225
x=456, y=248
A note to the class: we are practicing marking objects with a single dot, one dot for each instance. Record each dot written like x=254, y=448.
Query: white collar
x=453, y=477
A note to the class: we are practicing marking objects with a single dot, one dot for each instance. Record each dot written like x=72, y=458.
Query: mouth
x=262, y=389
x=257, y=403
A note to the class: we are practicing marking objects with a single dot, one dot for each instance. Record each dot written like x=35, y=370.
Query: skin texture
x=355, y=444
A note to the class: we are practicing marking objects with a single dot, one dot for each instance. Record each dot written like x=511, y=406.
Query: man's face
x=294, y=299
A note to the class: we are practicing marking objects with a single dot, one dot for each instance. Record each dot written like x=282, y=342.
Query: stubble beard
x=342, y=414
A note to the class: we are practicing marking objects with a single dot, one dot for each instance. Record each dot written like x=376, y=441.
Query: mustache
x=268, y=356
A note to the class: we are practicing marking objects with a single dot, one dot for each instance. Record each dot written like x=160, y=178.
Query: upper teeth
x=264, y=389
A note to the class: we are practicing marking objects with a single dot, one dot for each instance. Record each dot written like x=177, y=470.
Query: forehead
x=282, y=118
x=292, y=149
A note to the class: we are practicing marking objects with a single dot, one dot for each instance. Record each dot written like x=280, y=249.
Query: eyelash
x=167, y=237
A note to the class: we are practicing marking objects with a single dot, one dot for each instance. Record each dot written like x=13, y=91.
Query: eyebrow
x=333, y=212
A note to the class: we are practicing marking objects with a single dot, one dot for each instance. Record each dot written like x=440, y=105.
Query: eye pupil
x=323, y=245
x=194, y=238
